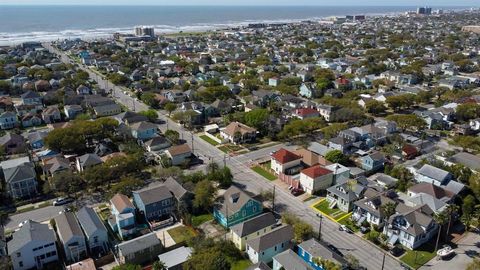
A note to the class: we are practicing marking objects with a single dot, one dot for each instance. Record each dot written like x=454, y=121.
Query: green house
x=237, y=206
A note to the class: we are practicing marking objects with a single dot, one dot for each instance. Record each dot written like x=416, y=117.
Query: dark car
x=335, y=250
x=396, y=251
x=62, y=201
x=364, y=230
x=296, y=192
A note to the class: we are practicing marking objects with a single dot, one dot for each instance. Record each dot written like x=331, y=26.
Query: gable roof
x=254, y=224
x=139, y=243
x=141, y=126
x=291, y=261
x=20, y=172
x=175, y=187
x=89, y=160
x=120, y=202
x=67, y=226
x=154, y=194
x=316, y=171
x=175, y=257
x=279, y=235
x=283, y=156
x=89, y=221
x=467, y=159
x=233, y=199
x=433, y=172
x=431, y=189
x=179, y=149
x=30, y=231
x=235, y=127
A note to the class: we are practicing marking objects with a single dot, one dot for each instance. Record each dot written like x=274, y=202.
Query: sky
x=432, y=3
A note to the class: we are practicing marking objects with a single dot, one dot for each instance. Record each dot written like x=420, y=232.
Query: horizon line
x=234, y=5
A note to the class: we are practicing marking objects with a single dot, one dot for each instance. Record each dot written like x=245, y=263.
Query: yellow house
x=252, y=228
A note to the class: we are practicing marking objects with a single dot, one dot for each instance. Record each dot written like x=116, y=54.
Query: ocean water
x=41, y=23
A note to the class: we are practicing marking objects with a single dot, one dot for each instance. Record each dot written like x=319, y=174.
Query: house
x=304, y=113
x=144, y=130
x=35, y=139
x=51, y=115
x=309, y=91
x=285, y=162
x=436, y=192
x=30, y=120
x=315, y=178
x=310, y=158
x=107, y=110
x=265, y=247
x=310, y=249
x=12, y=143
x=71, y=237
x=182, y=195
x=370, y=208
x=95, y=232
x=344, y=194
x=157, y=143
x=140, y=250
x=373, y=162
x=32, y=246
x=83, y=90
x=71, y=111
x=409, y=151
x=411, y=227
x=130, y=118
x=174, y=259
x=87, y=160
x=155, y=203
x=326, y=111
x=235, y=206
x=8, y=120
x=122, y=218
x=55, y=164
x=20, y=177
x=341, y=144
x=87, y=264
x=466, y=159
x=289, y=260
x=179, y=154
x=31, y=98
x=252, y=228
x=238, y=133
x=434, y=175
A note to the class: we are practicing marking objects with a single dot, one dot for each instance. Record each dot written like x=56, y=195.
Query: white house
x=71, y=237
x=316, y=178
x=178, y=154
x=283, y=160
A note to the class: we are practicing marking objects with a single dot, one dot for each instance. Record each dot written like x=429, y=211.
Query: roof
x=310, y=158
x=155, y=194
x=87, y=264
x=36, y=136
x=7, y=138
x=254, y=224
x=89, y=160
x=421, y=199
x=30, y=231
x=433, y=172
x=291, y=261
x=140, y=126
x=233, y=199
x=283, y=156
x=342, y=191
x=279, y=235
x=318, y=148
x=158, y=140
x=14, y=162
x=467, y=159
x=120, y=202
x=179, y=149
x=67, y=226
x=316, y=171
x=306, y=111
x=175, y=187
x=316, y=249
x=139, y=243
x=30, y=94
x=89, y=221
x=431, y=189
x=259, y=266
x=175, y=257
x=20, y=172
x=235, y=127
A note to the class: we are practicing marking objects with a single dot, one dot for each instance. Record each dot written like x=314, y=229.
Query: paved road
x=39, y=215
x=369, y=255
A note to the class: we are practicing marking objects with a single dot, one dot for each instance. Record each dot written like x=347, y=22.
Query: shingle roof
x=67, y=226
x=141, y=126
x=431, y=189
x=291, y=261
x=316, y=249
x=139, y=243
x=89, y=221
x=120, y=202
x=468, y=160
x=233, y=199
x=279, y=235
x=283, y=156
x=89, y=160
x=22, y=171
x=235, y=127
x=175, y=257
x=154, y=194
x=254, y=224
x=179, y=149
x=30, y=231
x=175, y=187
x=433, y=172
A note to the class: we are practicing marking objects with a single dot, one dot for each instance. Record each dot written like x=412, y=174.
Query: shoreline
x=12, y=39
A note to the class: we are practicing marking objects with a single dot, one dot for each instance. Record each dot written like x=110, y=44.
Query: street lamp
x=320, y=227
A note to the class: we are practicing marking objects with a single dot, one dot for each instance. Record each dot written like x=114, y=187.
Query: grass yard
x=264, y=173
x=198, y=220
x=181, y=234
x=25, y=209
x=241, y=265
x=335, y=213
x=419, y=257
x=209, y=140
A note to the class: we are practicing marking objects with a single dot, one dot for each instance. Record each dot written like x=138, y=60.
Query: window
x=275, y=248
x=20, y=264
x=19, y=254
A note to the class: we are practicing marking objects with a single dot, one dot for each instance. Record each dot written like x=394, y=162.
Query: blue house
x=373, y=162
x=155, y=203
x=309, y=91
x=237, y=206
x=144, y=130
x=310, y=249
x=122, y=219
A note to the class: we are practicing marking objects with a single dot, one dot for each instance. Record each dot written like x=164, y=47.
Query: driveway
x=468, y=248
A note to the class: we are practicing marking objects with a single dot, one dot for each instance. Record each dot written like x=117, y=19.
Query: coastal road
x=368, y=254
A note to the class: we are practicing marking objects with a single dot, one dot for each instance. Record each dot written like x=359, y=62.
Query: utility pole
x=320, y=227
x=273, y=200
x=225, y=161
x=193, y=152
x=383, y=262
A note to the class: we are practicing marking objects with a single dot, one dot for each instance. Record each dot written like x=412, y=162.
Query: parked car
x=364, y=230
x=62, y=201
x=335, y=250
x=296, y=192
x=344, y=228
x=397, y=251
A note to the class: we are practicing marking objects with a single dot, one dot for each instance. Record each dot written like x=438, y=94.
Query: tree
x=352, y=261
x=127, y=185
x=332, y=130
x=451, y=211
x=159, y=265
x=207, y=259
x=204, y=195
x=408, y=121
x=336, y=156
x=257, y=118
x=172, y=135
x=346, y=114
x=66, y=182
x=127, y=267
x=375, y=107
x=467, y=111
x=404, y=177
x=388, y=210
x=152, y=115
x=468, y=209
x=326, y=264
x=474, y=184
x=302, y=230
x=440, y=219
x=299, y=127
x=170, y=107
x=149, y=99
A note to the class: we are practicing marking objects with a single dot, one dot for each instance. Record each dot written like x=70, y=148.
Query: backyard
x=181, y=234
x=241, y=265
x=199, y=220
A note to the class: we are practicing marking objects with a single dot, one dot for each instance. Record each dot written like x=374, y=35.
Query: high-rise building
x=144, y=31
x=424, y=10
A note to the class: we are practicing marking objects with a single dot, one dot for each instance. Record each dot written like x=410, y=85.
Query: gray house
x=32, y=246
x=156, y=203
x=94, y=230
x=140, y=250
x=71, y=237
x=20, y=177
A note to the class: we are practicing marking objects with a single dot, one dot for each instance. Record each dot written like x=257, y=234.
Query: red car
x=296, y=192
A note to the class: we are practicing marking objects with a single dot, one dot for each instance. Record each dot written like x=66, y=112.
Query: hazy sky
x=432, y=3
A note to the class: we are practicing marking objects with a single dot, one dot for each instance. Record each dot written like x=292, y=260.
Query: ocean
x=45, y=23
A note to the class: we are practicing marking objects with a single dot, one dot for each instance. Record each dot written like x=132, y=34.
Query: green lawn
x=209, y=140
x=228, y=148
x=241, y=265
x=419, y=257
x=264, y=173
x=333, y=213
x=181, y=234
x=198, y=220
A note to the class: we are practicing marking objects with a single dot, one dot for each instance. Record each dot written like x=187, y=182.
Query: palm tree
x=388, y=210
x=440, y=219
x=451, y=210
